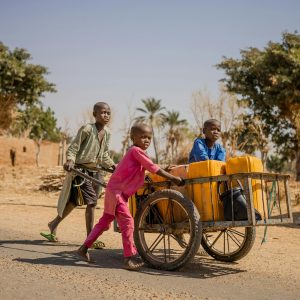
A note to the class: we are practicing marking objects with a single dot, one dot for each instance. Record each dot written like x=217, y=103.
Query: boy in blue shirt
x=208, y=148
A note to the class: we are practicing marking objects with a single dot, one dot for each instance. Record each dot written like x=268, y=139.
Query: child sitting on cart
x=207, y=148
x=124, y=182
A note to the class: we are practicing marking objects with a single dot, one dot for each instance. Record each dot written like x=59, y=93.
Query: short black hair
x=99, y=105
x=210, y=121
x=139, y=127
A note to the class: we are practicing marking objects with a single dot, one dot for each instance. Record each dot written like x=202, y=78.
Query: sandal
x=49, y=236
x=83, y=256
x=98, y=245
x=131, y=265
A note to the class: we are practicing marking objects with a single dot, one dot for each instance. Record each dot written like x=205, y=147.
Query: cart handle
x=83, y=175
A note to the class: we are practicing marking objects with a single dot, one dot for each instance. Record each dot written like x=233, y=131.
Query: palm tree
x=153, y=117
x=174, y=135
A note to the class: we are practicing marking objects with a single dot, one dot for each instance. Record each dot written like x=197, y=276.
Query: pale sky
x=124, y=51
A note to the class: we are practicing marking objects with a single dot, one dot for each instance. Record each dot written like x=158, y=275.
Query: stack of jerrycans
x=206, y=195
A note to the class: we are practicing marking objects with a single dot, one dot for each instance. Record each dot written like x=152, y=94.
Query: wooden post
x=249, y=199
x=288, y=199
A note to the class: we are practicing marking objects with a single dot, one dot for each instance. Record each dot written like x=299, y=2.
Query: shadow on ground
x=202, y=267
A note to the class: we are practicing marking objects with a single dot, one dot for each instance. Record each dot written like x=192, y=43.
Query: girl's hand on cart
x=178, y=181
x=182, y=182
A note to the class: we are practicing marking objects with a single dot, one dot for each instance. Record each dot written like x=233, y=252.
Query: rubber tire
x=249, y=240
x=196, y=230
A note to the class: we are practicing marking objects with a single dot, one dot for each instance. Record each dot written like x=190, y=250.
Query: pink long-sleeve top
x=130, y=173
x=127, y=178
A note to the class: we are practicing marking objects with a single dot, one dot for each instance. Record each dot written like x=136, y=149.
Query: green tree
x=268, y=83
x=275, y=163
x=174, y=132
x=153, y=116
x=21, y=83
x=251, y=136
x=38, y=124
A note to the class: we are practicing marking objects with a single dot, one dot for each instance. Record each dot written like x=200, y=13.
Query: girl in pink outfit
x=124, y=182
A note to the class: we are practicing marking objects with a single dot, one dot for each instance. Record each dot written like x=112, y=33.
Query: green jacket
x=85, y=150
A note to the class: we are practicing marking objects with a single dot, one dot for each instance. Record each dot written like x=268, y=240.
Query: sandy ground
x=32, y=268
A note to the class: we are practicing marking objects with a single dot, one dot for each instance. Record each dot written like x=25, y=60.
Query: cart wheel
x=229, y=244
x=167, y=230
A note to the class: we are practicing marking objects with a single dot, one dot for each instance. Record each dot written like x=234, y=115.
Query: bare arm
x=177, y=180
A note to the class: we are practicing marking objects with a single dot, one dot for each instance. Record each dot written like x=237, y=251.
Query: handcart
x=171, y=222
x=169, y=228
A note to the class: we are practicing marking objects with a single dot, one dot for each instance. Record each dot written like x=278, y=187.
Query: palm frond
x=141, y=109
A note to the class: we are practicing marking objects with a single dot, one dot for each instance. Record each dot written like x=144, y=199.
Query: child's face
x=142, y=139
x=213, y=131
x=102, y=114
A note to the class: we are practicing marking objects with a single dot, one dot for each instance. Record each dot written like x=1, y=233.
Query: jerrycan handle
x=226, y=186
x=219, y=187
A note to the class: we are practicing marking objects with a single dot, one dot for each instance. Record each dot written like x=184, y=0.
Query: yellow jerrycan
x=206, y=197
x=178, y=214
x=132, y=201
x=248, y=164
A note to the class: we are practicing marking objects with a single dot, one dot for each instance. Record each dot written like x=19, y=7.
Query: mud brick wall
x=26, y=152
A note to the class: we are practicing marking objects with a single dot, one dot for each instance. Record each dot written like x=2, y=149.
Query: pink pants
x=126, y=225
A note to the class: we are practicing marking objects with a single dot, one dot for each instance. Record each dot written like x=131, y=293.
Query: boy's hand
x=69, y=165
x=168, y=168
x=178, y=181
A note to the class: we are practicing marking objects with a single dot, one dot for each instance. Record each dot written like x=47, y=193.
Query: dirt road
x=32, y=268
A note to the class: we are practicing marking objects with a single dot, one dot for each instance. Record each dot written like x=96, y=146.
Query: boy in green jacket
x=89, y=150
